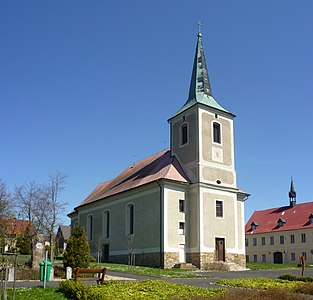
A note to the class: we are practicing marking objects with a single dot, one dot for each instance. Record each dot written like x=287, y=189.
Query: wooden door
x=278, y=257
x=220, y=249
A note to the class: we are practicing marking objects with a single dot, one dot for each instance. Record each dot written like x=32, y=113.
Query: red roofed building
x=181, y=205
x=282, y=234
x=11, y=229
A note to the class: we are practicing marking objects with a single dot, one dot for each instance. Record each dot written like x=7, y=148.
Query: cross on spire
x=199, y=26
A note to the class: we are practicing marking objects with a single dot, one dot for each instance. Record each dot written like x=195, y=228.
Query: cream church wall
x=146, y=238
x=216, y=226
x=172, y=217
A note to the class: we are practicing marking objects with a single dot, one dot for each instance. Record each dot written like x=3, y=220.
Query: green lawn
x=143, y=290
x=37, y=293
x=261, y=283
x=267, y=266
x=161, y=273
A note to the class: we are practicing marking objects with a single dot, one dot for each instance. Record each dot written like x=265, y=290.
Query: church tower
x=202, y=139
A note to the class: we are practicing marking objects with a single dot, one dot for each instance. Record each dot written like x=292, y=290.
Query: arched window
x=106, y=224
x=217, y=133
x=89, y=227
x=130, y=219
x=184, y=134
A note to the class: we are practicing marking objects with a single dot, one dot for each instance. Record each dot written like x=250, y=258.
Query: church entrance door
x=220, y=249
x=182, y=253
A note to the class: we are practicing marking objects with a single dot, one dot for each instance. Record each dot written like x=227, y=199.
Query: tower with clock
x=202, y=139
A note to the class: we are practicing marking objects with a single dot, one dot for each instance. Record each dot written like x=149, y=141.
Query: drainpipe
x=161, y=226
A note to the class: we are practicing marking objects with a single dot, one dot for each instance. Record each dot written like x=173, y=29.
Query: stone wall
x=205, y=260
x=238, y=259
x=170, y=259
x=141, y=259
x=193, y=258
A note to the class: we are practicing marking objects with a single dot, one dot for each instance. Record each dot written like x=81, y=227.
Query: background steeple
x=292, y=194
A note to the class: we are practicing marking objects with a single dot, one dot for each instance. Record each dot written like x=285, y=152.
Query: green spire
x=200, y=88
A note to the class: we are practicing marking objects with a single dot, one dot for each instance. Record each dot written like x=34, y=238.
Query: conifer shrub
x=77, y=252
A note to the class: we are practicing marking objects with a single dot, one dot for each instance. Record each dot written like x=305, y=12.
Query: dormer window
x=281, y=222
x=311, y=218
x=254, y=225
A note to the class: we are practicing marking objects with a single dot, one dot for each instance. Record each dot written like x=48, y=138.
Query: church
x=180, y=206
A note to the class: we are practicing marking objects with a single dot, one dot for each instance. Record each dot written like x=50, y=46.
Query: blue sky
x=86, y=88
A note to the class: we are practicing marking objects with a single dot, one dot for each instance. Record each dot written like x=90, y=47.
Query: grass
x=267, y=288
x=154, y=272
x=36, y=293
x=261, y=283
x=257, y=295
x=149, y=289
x=267, y=266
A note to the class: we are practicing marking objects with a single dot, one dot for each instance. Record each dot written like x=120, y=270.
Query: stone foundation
x=141, y=259
x=170, y=259
x=207, y=261
x=238, y=259
x=193, y=258
x=203, y=261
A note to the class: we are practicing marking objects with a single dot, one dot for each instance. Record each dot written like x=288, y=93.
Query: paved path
x=208, y=280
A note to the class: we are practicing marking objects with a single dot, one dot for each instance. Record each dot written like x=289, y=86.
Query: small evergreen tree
x=23, y=244
x=77, y=252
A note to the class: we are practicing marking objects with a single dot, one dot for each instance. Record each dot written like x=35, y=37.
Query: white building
x=179, y=205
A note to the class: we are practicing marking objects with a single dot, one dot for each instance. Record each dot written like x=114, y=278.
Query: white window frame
x=223, y=210
x=184, y=201
x=221, y=133
x=106, y=231
x=127, y=219
x=90, y=221
x=181, y=134
x=182, y=231
x=292, y=239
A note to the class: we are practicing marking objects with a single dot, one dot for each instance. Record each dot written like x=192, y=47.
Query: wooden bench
x=102, y=271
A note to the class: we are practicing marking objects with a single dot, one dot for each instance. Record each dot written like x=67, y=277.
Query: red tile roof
x=14, y=226
x=296, y=217
x=158, y=166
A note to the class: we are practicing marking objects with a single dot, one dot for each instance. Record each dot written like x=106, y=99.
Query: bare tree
x=99, y=246
x=5, y=200
x=30, y=198
x=5, y=212
x=41, y=205
x=54, y=207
